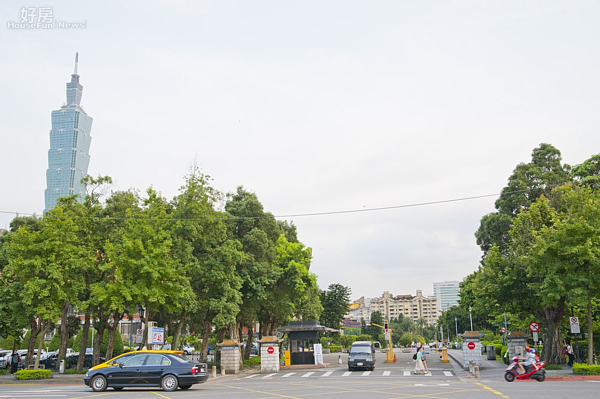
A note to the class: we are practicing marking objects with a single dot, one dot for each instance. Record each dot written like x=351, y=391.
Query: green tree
x=335, y=302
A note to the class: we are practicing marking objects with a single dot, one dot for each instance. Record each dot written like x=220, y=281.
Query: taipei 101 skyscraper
x=68, y=157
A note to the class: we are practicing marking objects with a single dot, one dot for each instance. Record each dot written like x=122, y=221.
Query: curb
x=573, y=378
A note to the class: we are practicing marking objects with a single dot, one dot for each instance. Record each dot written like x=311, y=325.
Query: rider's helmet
x=527, y=348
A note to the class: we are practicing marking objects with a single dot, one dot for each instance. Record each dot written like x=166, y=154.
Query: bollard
x=214, y=373
x=222, y=370
x=476, y=371
x=339, y=359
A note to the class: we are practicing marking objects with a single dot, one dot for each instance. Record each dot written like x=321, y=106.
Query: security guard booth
x=302, y=336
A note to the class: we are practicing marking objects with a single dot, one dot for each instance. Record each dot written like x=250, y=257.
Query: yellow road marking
x=162, y=396
x=493, y=390
x=252, y=390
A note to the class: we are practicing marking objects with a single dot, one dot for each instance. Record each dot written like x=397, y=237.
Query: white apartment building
x=414, y=307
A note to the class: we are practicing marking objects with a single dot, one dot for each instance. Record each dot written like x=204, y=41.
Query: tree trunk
x=551, y=317
x=249, y=343
x=145, y=334
x=205, y=334
x=84, y=341
x=35, y=330
x=64, y=331
x=177, y=332
x=100, y=327
x=112, y=329
x=590, y=326
x=41, y=344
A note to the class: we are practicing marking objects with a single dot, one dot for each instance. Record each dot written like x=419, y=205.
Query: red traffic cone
x=395, y=361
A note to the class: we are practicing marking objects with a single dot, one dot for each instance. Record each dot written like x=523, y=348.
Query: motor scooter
x=535, y=371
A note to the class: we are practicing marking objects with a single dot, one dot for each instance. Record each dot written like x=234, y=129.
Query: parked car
x=4, y=356
x=362, y=355
x=188, y=350
x=254, y=350
x=166, y=369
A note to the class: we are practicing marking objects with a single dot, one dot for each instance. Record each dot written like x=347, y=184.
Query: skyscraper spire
x=74, y=88
x=76, y=62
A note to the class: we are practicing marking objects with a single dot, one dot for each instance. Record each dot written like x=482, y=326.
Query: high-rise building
x=447, y=294
x=68, y=157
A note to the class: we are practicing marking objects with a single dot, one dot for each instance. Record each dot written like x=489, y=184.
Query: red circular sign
x=534, y=326
x=471, y=345
x=270, y=349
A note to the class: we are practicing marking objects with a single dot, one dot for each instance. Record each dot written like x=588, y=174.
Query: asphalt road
x=387, y=381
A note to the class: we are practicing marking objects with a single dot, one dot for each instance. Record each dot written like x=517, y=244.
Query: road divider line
x=493, y=390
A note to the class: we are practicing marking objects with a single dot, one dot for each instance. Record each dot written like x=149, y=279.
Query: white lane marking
x=251, y=376
x=269, y=375
x=419, y=385
x=288, y=374
x=366, y=373
x=387, y=372
x=406, y=373
x=308, y=374
x=327, y=374
x=448, y=373
x=347, y=373
x=444, y=385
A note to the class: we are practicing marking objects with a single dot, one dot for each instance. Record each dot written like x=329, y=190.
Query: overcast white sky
x=315, y=106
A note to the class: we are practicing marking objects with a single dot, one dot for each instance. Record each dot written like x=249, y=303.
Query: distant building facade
x=70, y=139
x=413, y=307
x=447, y=294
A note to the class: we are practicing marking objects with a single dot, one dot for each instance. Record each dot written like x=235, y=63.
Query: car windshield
x=360, y=349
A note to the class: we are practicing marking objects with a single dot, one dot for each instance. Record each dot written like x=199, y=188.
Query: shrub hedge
x=335, y=348
x=584, y=369
x=33, y=374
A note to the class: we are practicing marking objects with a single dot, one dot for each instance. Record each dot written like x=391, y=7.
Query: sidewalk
x=495, y=369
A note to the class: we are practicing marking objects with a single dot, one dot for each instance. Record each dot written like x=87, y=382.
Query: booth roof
x=308, y=325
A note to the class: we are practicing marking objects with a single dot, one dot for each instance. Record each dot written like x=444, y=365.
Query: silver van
x=361, y=356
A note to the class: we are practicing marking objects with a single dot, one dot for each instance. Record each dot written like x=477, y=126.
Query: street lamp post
x=456, y=325
x=471, y=317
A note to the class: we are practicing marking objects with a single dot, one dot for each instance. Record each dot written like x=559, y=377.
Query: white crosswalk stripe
x=251, y=376
x=269, y=375
x=448, y=373
x=366, y=373
x=347, y=373
x=406, y=372
x=327, y=374
x=308, y=374
x=386, y=373
x=288, y=374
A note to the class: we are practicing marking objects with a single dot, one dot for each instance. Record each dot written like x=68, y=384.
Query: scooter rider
x=528, y=359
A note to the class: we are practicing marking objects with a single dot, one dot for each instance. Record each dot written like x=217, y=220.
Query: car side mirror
x=121, y=365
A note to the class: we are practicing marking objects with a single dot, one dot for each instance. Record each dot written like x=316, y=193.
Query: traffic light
x=385, y=324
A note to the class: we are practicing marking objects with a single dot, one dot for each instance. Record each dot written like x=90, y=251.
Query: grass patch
x=4, y=372
x=74, y=371
x=252, y=362
x=553, y=367
x=584, y=369
x=33, y=374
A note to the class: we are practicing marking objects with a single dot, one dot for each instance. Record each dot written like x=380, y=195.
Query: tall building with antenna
x=68, y=157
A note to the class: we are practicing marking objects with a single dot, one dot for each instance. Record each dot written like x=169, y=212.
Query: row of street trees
x=541, y=250
x=199, y=261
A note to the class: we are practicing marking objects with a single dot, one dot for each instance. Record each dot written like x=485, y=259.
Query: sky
x=315, y=106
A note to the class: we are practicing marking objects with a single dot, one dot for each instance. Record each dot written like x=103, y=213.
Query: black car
x=362, y=355
x=164, y=369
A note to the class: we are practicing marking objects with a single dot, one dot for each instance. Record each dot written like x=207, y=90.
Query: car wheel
x=117, y=388
x=510, y=377
x=184, y=387
x=98, y=383
x=169, y=383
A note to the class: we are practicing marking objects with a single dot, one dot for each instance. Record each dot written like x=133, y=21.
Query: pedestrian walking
x=14, y=361
x=419, y=368
x=571, y=355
